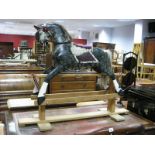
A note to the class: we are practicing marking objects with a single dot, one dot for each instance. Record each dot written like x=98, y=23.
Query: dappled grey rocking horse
x=66, y=57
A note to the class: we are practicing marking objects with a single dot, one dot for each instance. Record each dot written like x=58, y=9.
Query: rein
x=62, y=43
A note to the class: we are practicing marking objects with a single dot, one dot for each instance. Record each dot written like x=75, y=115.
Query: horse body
x=65, y=57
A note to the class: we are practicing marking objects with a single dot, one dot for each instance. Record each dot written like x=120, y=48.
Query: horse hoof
x=35, y=93
x=41, y=100
x=121, y=92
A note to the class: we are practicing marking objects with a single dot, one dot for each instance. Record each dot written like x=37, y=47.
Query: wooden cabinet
x=6, y=49
x=41, y=53
x=39, y=48
x=149, y=50
x=73, y=82
x=104, y=45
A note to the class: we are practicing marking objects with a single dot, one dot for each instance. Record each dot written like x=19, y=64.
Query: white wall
x=138, y=31
x=104, y=35
x=123, y=37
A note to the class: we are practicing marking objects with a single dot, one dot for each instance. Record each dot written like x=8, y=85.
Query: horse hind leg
x=43, y=89
x=105, y=66
x=109, y=71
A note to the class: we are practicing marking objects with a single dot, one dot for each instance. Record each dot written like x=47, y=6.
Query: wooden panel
x=104, y=45
x=73, y=82
x=20, y=69
x=73, y=85
x=75, y=77
x=90, y=103
x=62, y=118
x=149, y=50
x=71, y=74
x=6, y=49
x=75, y=99
x=71, y=94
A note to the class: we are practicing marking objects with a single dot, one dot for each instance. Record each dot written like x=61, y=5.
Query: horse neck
x=60, y=36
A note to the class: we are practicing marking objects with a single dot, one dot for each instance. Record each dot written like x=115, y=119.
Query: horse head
x=43, y=35
x=52, y=32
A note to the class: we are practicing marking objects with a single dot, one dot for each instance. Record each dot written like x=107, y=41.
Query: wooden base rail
x=44, y=121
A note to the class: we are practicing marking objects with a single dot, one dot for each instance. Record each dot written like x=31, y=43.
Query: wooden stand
x=44, y=121
x=65, y=83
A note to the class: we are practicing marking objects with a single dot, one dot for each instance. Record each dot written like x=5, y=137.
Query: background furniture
x=20, y=69
x=6, y=49
x=104, y=45
x=25, y=52
x=149, y=50
x=41, y=52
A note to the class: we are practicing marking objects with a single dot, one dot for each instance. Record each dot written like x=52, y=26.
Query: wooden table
x=133, y=123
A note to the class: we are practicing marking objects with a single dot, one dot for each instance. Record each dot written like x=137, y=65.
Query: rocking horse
x=65, y=56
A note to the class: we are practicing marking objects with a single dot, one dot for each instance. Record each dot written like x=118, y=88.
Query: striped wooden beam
x=58, y=100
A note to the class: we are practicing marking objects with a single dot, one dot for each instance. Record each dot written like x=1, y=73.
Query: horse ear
x=36, y=27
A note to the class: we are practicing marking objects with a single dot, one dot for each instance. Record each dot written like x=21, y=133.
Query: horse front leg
x=43, y=89
x=118, y=88
x=36, y=81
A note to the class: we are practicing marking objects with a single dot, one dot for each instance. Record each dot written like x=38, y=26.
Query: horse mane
x=62, y=28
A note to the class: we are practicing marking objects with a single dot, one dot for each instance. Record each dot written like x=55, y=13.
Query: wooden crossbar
x=58, y=101
x=69, y=75
x=70, y=94
x=69, y=117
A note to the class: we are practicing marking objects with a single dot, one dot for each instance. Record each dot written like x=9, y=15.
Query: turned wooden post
x=42, y=112
x=2, y=132
x=111, y=87
x=111, y=105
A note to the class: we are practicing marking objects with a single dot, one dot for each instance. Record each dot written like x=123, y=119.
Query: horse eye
x=45, y=29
